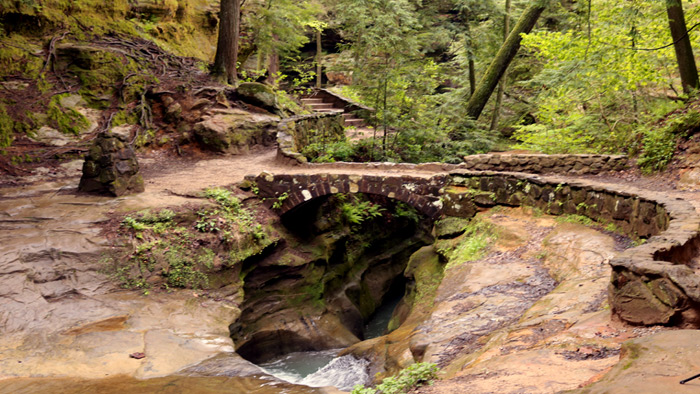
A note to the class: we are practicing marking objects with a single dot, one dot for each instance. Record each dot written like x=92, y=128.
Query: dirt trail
x=166, y=176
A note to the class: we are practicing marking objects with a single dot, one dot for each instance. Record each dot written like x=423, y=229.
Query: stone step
x=333, y=110
x=308, y=101
x=320, y=106
x=354, y=122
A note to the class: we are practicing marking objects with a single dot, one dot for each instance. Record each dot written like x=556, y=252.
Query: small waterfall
x=342, y=372
x=320, y=369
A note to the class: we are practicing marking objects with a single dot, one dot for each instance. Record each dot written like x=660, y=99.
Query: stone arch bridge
x=289, y=191
x=654, y=283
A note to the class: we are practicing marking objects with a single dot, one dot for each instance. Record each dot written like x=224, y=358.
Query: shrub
x=409, y=378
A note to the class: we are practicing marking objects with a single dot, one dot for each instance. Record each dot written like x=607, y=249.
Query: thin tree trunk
x=470, y=55
x=226, y=59
x=681, y=43
x=274, y=67
x=505, y=55
x=504, y=78
x=472, y=76
x=319, y=53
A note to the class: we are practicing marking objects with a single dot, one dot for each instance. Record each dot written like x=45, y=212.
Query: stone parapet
x=545, y=164
x=296, y=132
x=653, y=283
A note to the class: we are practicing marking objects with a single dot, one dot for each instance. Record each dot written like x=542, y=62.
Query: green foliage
x=7, y=126
x=414, y=376
x=597, y=92
x=472, y=244
x=181, y=249
x=225, y=198
x=280, y=200
x=391, y=74
x=354, y=211
x=328, y=153
x=278, y=27
x=659, y=142
x=403, y=210
x=182, y=270
x=659, y=147
x=147, y=220
x=576, y=219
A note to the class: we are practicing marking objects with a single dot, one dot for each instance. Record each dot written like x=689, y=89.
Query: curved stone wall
x=654, y=283
x=527, y=163
x=545, y=164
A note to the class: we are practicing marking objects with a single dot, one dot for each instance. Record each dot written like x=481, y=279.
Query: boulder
x=260, y=95
x=233, y=131
x=149, y=9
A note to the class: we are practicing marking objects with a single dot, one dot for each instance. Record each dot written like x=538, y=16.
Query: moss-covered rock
x=235, y=130
x=450, y=227
x=259, y=94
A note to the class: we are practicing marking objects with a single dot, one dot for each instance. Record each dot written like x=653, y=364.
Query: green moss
x=125, y=117
x=425, y=268
x=470, y=246
x=20, y=58
x=65, y=120
x=7, y=126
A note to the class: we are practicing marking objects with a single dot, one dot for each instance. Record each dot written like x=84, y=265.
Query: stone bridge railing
x=286, y=192
x=654, y=283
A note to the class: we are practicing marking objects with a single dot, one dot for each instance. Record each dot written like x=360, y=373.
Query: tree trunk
x=470, y=55
x=681, y=43
x=226, y=59
x=319, y=53
x=505, y=55
x=504, y=78
x=273, y=68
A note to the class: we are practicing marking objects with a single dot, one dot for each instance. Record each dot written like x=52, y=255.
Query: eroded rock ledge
x=652, y=283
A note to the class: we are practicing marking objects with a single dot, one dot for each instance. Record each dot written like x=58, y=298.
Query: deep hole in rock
x=341, y=266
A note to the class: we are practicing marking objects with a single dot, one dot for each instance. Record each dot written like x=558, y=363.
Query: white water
x=319, y=369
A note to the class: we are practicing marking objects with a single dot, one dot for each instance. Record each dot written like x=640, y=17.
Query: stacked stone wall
x=545, y=164
x=111, y=167
x=294, y=133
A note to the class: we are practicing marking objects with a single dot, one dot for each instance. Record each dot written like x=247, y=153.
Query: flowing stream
x=323, y=368
x=319, y=369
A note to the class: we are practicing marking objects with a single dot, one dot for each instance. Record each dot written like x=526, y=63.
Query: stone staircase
x=324, y=103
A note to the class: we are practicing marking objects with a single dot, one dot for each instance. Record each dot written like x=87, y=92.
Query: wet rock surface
x=555, y=338
x=563, y=340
